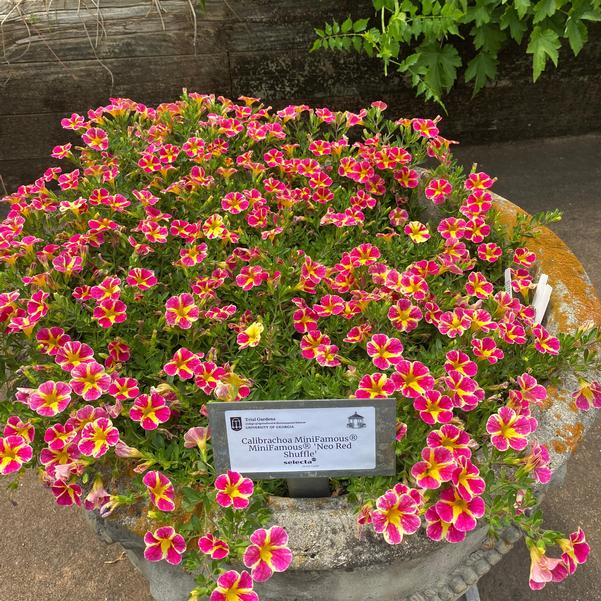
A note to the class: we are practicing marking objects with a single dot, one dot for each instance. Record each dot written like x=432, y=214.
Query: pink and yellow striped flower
x=213, y=546
x=51, y=339
x=150, y=410
x=395, y=515
x=434, y=407
x=437, y=529
x=385, y=352
x=98, y=437
x=588, y=395
x=234, y=586
x=575, y=550
x=507, y=429
x=251, y=336
x=267, y=553
x=375, y=386
x=14, y=452
x=437, y=466
x=183, y=364
x=66, y=493
x=73, y=353
x=17, y=427
x=160, y=490
x=181, y=311
x=233, y=490
x=453, y=509
x=412, y=379
x=124, y=389
x=164, y=543
x=109, y=312
x=50, y=398
x=90, y=381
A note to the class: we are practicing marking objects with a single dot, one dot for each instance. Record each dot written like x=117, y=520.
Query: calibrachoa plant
x=210, y=250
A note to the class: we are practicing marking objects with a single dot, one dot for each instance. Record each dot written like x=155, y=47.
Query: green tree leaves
x=419, y=39
x=544, y=44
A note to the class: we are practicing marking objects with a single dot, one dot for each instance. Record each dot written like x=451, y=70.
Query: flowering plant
x=212, y=250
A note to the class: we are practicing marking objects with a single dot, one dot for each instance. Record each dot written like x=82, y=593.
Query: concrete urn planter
x=335, y=560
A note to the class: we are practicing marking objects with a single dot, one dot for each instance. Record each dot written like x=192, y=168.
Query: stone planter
x=333, y=559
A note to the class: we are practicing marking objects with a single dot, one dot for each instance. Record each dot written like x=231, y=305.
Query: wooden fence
x=63, y=56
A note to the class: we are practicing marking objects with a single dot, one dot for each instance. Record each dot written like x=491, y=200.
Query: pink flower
x=66, y=493
x=96, y=138
x=537, y=462
x=143, y=279
x=73, y=353
x=466, y=479
x=124, y=389
x=234, y=586
x=90, y=381
x=486, y=348
x=50, y=398
x=588, y=395
x=544, y=569
x=417, y=231
x=181, y=311
x=150, y=410
x=531, y=390
x=197, y=437
x=385, y=352
x=575, y=550
x=251, y=336
x=438, y=190
x=375, y=386
x=396, y=515
x=454, y=509
x=478, y=286
x=404, y=316
x=437, y=529
x=459, y=361
x=51, y=339
x=160, y=489
x=412, y=379
x=508, y=429
x=109, y=312
x=215, y=547
x=183, y=364
x=251, y=276
x=233, y=490
x=97, y=437
x=267, y=553
x=14, y=452
x=164, y=543
x=438, y=466
x=544, y=342
x=16, y=427
x=434, y=407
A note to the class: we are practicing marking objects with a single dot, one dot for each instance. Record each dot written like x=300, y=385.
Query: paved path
x=48, y=553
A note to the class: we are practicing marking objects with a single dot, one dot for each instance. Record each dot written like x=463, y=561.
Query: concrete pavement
x=49, y=553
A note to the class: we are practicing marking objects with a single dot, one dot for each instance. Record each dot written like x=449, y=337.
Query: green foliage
x=420, y=39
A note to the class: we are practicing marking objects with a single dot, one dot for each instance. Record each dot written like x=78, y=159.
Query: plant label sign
x=304, y=439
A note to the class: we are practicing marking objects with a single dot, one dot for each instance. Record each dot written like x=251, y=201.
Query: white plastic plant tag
x=540, y=287
x=508, y=282
x=542, y=303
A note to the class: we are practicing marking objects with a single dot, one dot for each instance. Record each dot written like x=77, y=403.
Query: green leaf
x=360, y=25
x=521, y=7
x=591, y=15
x=543, y=44
x=347, y=25
x=316, y=45
x=481, y=68
x=544, y=9
x=577, y=34
x=511, y=20
x=440, y=66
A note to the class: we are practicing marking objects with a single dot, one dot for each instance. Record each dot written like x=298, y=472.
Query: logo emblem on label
x=356, y=422
x=236, y=423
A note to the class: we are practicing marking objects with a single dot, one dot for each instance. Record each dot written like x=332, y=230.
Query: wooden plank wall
x=63, y=56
